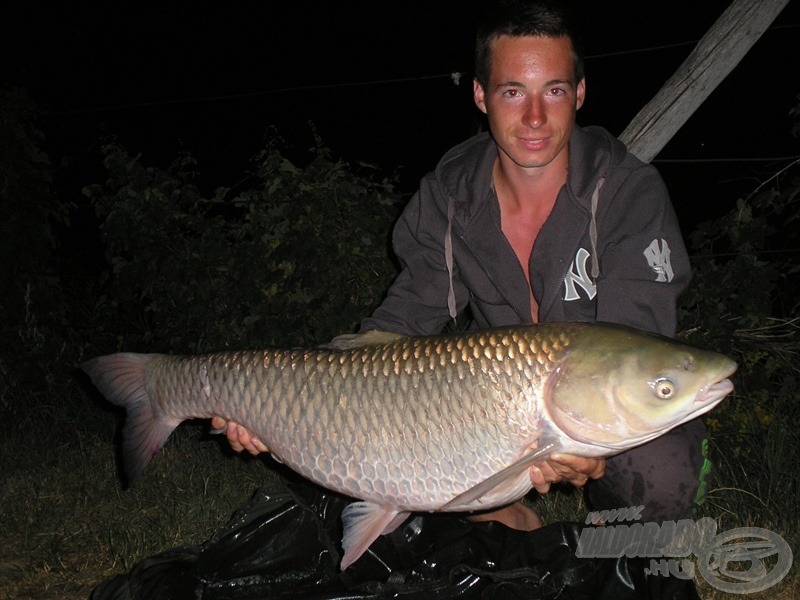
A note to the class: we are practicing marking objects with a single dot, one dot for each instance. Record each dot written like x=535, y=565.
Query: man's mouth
x=534, y=143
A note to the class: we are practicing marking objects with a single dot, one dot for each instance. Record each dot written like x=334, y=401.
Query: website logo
x=738, y=561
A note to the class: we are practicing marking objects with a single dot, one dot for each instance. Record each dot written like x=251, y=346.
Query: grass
x=757, y=486
x=67, y=524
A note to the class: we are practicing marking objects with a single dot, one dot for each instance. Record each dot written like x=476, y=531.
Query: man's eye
x=511, y=93
x=558, y=92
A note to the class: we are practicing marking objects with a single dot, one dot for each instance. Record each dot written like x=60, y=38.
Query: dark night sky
x=206, y=77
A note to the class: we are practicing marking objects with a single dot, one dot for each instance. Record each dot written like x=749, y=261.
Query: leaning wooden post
x=720, y=50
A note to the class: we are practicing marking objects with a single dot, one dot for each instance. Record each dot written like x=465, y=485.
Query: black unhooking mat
x=284, y=544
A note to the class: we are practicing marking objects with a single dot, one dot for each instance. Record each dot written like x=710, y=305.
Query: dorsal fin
x=350, y=341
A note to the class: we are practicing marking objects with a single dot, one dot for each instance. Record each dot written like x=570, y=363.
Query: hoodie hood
x=465, y=172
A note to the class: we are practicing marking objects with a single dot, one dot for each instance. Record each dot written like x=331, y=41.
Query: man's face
x=531, y=98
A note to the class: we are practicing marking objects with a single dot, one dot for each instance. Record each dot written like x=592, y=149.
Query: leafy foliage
x=745, y=294
x=31, y=309
x=745, y=301
x=25, y=196
x=297, y=258
x=745, y=264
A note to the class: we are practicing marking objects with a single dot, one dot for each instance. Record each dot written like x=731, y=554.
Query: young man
x=545, y=221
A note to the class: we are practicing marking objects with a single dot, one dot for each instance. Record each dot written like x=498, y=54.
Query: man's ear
x=580, y=93
x=479, y=95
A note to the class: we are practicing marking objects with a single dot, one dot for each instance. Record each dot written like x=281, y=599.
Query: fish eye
x=664, y=388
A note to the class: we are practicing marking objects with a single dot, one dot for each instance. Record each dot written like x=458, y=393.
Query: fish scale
x=423, y=423
x=423, y=373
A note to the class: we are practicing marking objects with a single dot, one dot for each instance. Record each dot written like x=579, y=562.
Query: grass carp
x=434, y=423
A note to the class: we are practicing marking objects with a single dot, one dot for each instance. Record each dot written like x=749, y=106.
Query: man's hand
x=576, y=470
x=239, y=436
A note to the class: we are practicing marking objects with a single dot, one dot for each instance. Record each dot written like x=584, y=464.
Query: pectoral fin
x=363, y=523
x=509, y=473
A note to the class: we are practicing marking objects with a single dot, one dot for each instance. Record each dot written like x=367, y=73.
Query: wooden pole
x=720, y=50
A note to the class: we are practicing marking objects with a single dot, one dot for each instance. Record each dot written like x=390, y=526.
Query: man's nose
x=534, y=113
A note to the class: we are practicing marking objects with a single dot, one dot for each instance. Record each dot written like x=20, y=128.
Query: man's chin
x=530, y=160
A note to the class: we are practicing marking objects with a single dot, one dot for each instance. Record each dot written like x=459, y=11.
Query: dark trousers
x=662, y=475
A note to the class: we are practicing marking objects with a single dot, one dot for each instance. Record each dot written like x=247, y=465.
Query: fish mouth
x=714, y=393
x=710, y=395
x=717, y=389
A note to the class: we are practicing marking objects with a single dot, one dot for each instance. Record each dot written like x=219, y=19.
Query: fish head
x=617, y=387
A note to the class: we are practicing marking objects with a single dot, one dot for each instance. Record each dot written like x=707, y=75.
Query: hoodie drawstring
x=448, y=244
x=448, y=256
x=593, y=228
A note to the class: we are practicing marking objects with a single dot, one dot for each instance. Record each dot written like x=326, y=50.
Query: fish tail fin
x=122, y=378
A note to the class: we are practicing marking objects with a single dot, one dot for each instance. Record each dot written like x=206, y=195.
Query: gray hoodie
x=611, y=249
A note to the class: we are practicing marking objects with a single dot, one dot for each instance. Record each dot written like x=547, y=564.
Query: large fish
x=440, y=423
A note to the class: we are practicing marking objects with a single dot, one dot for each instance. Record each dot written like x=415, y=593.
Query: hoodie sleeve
x=644, y=265
x=416, y=303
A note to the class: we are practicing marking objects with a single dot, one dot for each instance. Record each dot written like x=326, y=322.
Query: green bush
x=297, y=257
x=33, y=309
x=745, y=300
x=745, y=295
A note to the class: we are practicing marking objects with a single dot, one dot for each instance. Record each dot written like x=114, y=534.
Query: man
x=545, y=221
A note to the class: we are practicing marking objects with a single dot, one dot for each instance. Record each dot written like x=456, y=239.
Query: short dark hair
x=515, y=18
